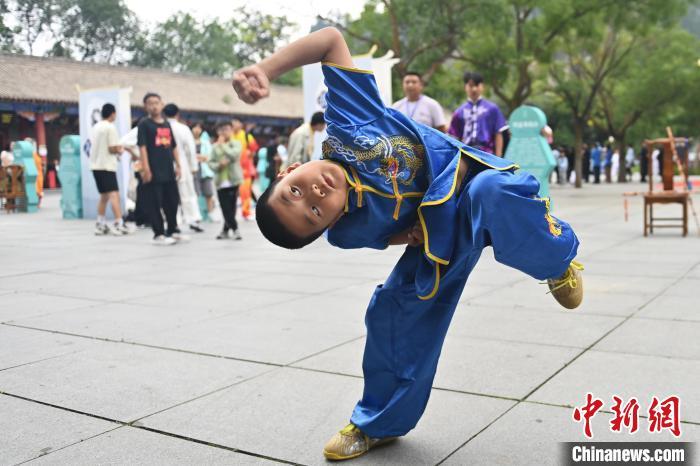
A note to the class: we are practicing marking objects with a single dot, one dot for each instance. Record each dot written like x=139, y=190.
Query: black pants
x=163, y=196
x=228, y=199
x=141, y=216
x=596, y=175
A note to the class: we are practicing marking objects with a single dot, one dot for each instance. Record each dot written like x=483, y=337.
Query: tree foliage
x=184, y=43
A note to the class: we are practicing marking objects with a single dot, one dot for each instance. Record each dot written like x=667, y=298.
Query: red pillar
x=40, y=130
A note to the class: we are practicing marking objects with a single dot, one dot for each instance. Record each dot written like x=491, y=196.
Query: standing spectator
x=188, y=161
x=248, y=148
x=226, y=163
x=615, y=165
x=629, y=162
x=586, y=163
x=104, y=155
x=301, y=141
x=160, y=169
x=418, y=106
x=596, y=154
x=644, y=162
x=607, y=163
x=556, y=154
x=570, y=158
x=204, y=181
x=563, y=166
x=478, y=122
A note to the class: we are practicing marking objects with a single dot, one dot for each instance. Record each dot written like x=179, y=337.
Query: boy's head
x=153, y=104
x=302, y=203
x=412, y=85
x=318, y=122
x=109, y=112
x=224, y=129
x=171, y=110
x=236, y=125
x=473, y=85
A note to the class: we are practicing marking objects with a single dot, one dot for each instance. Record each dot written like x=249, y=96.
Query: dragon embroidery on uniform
x=398, y=156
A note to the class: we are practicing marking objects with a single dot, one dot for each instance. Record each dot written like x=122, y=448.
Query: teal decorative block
x=69, y=174
x=23, y=152
x=528, y=148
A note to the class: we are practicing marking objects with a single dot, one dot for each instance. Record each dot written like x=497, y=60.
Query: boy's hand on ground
x=251, y=84
x=415, y=235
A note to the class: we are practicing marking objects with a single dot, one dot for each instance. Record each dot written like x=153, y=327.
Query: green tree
x=183, y=43
x=33, y=18
x=423, y=34
x=6, y=32
x=95, y=30
x=649, y=86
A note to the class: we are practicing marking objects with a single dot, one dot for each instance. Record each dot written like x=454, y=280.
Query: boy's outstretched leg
x=505, y=210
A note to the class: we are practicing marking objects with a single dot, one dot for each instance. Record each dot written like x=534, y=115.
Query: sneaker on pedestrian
x=101, y=229
x=237, y=235
x=196, y=228
x=177, y=236
x=162, y=240
x=119, y=229
x=350, y=443
x=223, y=235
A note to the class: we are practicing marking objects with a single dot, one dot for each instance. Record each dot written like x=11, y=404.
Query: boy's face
x=310, y=197
x=154, y=106
x=474, y=90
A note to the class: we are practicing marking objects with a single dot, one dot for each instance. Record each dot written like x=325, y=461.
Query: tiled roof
x=57, y=80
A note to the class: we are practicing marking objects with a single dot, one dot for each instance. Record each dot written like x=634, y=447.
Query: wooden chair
x=12, y=194
x=668, y=195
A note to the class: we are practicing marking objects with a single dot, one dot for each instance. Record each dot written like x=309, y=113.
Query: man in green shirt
x=228, y=176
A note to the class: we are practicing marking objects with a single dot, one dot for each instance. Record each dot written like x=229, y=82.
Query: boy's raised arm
x=252, y=83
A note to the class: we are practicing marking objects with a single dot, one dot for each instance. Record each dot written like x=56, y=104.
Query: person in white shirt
x=418, y=106
x=104, y=154
x=188, y=161
x=301, y=141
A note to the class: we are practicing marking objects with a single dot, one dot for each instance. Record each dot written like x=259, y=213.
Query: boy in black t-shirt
x=160, y=170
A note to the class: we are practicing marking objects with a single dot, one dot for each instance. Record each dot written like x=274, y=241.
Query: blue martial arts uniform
x=401, y=172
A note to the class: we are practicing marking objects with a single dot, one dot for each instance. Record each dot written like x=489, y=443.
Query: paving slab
x=291, y=413
x=128, y=445
x=122, y=321
x=671, y=307
x=530, y=434
x=467, y=364
x=627, y=375
x=22, y=346
x=277, y=335
x=217, y=299
x=575, y=329
x=30, y=430
x=667, y=338
x=19, y=305
x=124, y=382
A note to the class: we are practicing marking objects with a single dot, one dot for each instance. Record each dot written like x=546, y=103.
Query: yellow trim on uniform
x=435, y=286
x=346, y=68
x=554, y=227
x=500, y=169
x=426, y=247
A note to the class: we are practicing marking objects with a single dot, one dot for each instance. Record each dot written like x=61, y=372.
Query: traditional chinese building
x=39, y=98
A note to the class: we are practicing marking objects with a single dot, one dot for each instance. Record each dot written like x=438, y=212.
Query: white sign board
x=90, y=107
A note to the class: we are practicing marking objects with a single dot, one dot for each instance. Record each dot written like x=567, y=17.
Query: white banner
x=315, y=90
x=90, y=107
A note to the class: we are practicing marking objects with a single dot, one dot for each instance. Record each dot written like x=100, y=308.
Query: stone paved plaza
x=114, y=351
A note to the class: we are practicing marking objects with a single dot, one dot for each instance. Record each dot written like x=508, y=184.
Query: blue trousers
x=405, y=334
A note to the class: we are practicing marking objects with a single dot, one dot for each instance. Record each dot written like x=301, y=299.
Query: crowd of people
x=174, y=164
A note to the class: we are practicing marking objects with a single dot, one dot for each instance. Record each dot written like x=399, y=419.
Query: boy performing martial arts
x=384, y=180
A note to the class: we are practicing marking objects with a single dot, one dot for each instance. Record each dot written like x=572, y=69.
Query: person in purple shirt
x=478, y=122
